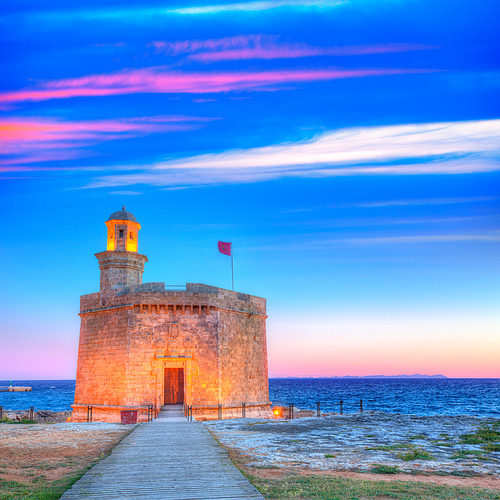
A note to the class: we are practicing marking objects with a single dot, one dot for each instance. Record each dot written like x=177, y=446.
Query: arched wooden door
x=173, y=393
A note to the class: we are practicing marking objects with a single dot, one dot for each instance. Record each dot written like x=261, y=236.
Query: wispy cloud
x=39, y=139
x=161, y=80
x=400, y=239
x=395, y=203
x=268, y=47
x=413, y=149
x=256, y=6
x=127, y=193
x=489, y=236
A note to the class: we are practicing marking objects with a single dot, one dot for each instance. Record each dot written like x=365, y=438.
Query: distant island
x=416, y=375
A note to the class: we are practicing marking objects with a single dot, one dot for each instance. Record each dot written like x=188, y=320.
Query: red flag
x=224, y=247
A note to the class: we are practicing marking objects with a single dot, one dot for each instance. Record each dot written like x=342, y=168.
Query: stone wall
x=217, y=336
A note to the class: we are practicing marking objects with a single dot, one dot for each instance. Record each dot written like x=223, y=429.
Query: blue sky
x=349, y=150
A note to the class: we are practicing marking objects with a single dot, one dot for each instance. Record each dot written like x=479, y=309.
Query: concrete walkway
x=168, y=459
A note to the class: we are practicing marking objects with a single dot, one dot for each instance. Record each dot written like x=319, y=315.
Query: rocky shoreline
x=39, y=416
x=368, y=441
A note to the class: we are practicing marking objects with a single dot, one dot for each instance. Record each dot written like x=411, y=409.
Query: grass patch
x=415, y=454
x=482, y=435
x=40, y=489
x=443, y=443
x=391, y=447
x=330, y=455
x=418, y=436
x=333, y=488
x=6, y=420
x=468, y=454
x=470, y=439
x=489, y=447
x=385, y=469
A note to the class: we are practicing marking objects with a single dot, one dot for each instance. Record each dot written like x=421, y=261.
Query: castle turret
x=121, y=265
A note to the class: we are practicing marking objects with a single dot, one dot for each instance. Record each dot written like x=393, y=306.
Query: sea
x=426, y=396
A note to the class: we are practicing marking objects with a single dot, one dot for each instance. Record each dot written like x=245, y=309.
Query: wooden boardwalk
x=168, y=459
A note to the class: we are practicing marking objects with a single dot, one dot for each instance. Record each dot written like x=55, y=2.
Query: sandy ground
x=51, y=451
x=351, y=445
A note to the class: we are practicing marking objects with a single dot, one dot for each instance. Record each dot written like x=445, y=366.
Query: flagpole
x=232, y=268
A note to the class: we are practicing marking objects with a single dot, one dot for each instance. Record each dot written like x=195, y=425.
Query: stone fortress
x=142, y=344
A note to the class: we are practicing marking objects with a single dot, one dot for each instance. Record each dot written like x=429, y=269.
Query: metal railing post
x=318, y=413
x=219, y=412
x=31, y=413
x=243, y=410
x=341, y=407
x=360, y=405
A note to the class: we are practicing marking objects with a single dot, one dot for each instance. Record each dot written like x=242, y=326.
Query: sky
x=349, y=149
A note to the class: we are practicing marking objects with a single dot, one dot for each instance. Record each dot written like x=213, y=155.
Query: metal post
x=1, y=412
x=232, y=268
x=31, y=413
x=243, y=410
x=318, y=413
x=341, y=407
x=360, y=405
x=220, y=412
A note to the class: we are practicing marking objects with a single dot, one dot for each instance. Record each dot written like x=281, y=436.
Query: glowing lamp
x=123, y=231
x=278, y=412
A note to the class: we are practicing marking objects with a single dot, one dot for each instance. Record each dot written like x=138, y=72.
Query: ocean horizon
x=418, y=395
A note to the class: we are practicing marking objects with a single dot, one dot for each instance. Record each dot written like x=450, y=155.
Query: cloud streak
x=256, y=6
x=161, y=80
x=412, y=149
x=39, y=139
x=259, y=46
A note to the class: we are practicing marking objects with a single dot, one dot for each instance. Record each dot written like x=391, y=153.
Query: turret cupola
x=123, y=231
x=121, y=265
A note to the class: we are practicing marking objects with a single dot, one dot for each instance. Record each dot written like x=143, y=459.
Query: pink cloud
x=33, y=140
x=159, y=80
x=267, y=47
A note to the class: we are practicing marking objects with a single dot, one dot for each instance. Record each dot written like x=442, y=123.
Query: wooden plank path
x=168, y=459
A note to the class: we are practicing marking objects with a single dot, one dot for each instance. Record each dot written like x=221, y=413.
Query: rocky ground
x=465, y=449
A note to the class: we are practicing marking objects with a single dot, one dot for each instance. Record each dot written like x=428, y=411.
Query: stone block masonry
x=141, y=344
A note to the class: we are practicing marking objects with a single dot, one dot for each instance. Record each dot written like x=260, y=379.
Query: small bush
x=385, y=469
x=330, y=455
x=415, y=454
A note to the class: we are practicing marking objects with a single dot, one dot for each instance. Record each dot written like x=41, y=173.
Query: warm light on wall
x=123, y=235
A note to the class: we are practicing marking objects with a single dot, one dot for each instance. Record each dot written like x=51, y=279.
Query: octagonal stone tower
x=142, y=344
